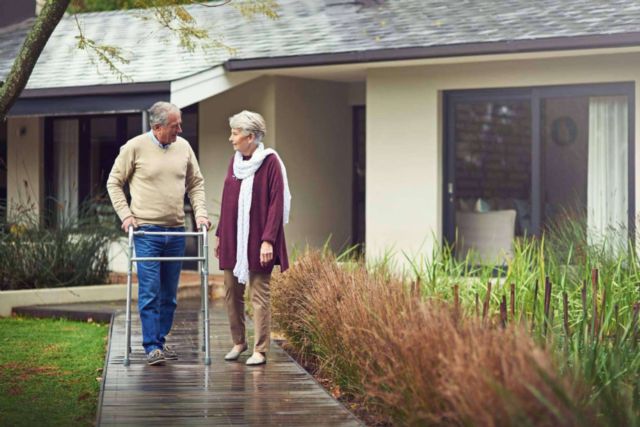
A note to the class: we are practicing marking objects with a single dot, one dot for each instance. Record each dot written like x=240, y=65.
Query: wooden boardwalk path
x=188, y=393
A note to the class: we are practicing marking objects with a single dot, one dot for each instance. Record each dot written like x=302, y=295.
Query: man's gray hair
x=159, y=113
x=249, y=123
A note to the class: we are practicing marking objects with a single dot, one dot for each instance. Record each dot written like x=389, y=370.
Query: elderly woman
x=250, y=235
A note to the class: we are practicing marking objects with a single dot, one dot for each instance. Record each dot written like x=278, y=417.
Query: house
x=400, y=121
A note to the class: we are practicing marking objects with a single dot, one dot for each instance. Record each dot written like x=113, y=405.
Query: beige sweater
x=158, y=179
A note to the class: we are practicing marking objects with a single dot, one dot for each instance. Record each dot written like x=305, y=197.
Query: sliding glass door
x=79, y=155
x=521, y=161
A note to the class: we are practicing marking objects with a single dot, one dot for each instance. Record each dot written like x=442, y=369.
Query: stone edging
x=95, y=293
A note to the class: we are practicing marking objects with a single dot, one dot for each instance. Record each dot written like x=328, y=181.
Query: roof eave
x=98, y=99
x=442, y=51
x=108, y=89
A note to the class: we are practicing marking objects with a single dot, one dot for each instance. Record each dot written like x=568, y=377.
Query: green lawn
x=49, y=370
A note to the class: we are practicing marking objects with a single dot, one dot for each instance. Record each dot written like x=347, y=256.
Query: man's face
x=168, y=133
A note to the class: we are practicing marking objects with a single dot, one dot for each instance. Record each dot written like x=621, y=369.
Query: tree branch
x=169, y=13
x=105, y=54
x=212, y=5
x=34, y=43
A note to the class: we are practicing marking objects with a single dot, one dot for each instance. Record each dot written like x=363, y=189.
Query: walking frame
x=203, y=267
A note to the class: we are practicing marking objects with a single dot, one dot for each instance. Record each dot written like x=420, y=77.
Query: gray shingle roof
x=10, y=42
x=308, y=27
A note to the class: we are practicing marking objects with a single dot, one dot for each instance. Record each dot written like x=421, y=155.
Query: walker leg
x=127, y=332
x=205, y=295
x=202, y=301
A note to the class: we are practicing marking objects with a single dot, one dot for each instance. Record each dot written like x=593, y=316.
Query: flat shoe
x=256, y=359
x=234, y=354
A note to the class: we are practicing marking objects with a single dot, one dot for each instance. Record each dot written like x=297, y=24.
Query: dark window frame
x=358, y=221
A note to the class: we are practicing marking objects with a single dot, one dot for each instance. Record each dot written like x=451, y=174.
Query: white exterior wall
x=215, y=150
x=315, y=141
x=309, y=124
x=405, y=133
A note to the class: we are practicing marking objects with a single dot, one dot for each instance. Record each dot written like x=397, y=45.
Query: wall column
x=25, y=165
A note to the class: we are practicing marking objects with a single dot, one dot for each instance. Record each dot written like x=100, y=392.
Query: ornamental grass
x=417, y=360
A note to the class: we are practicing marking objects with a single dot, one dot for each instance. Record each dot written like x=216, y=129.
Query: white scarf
x=245, y=170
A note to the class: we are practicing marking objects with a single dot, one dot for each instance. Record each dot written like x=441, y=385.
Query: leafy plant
x=74, y=252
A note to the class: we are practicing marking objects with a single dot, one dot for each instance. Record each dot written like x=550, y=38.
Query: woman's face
x=242, y=143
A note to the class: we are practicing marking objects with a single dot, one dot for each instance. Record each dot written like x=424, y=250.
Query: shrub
x=71, y=253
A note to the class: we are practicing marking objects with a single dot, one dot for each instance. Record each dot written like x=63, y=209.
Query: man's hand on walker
x=266, y=253
x=201, y=220
x=130, y=220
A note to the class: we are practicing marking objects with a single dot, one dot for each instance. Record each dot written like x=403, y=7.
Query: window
x=522, y=160
x=80, y=152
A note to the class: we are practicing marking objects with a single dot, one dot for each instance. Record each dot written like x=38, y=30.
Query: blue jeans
x=158, y=284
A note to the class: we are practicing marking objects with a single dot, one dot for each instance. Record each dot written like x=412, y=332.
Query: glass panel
x=65, y=169
x=584, y=169
x=564, y=137
x=492, y=176
x=134, y=126
x=190, y=127
x=104, y=150
x=607, y=181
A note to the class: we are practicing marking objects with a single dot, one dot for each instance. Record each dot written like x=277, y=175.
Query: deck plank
x=188, y=393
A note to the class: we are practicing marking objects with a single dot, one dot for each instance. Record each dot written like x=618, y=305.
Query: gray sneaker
x=155, y=357
x=169, y=353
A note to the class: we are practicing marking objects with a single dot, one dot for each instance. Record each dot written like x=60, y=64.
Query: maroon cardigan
x=265, y=217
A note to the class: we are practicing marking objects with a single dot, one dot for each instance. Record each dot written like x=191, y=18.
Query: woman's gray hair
x=249, y=123
x=159, y=113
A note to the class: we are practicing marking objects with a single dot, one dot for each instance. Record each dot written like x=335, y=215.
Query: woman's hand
x=216, y=247
x=266, y=253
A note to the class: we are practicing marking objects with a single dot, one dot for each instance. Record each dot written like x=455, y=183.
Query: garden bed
x=545, y=351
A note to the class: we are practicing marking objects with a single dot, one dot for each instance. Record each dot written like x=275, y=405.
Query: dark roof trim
x=466, y=49
x=116, y=89
x=88, y=104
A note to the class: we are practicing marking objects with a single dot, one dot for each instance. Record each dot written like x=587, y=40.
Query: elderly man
x=158, y=166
